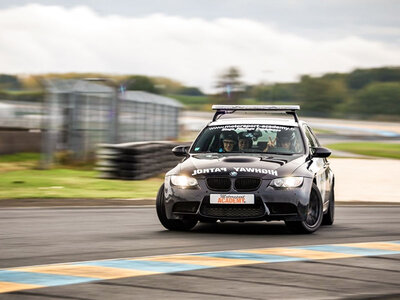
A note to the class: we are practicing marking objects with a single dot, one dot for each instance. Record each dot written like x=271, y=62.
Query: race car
x=250, y=169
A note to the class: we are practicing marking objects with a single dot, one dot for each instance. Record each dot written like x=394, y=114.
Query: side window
x=316, y=142
x=310, y=140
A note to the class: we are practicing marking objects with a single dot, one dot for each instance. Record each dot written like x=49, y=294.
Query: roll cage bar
x=229, y=109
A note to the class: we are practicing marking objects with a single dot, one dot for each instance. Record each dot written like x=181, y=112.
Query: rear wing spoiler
x=229, y=109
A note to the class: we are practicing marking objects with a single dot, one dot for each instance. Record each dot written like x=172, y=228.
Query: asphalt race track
x=105, y=255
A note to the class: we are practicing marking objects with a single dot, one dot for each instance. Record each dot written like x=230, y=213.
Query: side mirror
x=181, y=150
x=321, y=152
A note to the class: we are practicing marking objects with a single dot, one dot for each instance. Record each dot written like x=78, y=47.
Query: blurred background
x=98, y=90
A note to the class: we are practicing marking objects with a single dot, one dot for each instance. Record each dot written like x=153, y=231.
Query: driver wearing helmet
x=284, y=140
x=229, y=141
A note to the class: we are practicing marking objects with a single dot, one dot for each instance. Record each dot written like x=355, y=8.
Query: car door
x=317, y=166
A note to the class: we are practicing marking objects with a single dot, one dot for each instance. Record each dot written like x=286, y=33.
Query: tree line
x=362, y=93
x=31, y=88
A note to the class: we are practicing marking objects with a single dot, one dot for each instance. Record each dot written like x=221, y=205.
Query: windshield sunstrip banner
x=238, y=169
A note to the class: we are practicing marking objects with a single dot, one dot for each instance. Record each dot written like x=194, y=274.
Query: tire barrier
x=135, y=161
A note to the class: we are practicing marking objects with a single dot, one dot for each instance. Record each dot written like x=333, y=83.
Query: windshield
x=273, y=139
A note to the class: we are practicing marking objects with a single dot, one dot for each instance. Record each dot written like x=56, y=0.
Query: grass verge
x=67, y=183
x=20, y=179
x=20, y=157
x=387, y=150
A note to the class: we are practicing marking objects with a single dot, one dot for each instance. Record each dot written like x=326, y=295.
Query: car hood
x=266, y=167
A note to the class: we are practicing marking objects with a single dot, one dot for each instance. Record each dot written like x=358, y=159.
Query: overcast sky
x=192, y=41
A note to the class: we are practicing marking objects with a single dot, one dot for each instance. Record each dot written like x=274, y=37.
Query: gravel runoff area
x=358, y=181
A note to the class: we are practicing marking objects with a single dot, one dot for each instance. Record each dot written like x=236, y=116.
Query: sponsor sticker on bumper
x=231, y=199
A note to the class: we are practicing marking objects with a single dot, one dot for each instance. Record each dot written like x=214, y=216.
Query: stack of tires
x=135, y=161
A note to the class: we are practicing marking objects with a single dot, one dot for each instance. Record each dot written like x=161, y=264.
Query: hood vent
x=239, y=159
x=271, y=159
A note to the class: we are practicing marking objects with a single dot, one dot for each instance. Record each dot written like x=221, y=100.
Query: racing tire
x=173, y=225
x=313, y=217
x=329, y=216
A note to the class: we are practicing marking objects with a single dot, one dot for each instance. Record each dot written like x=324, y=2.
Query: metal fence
x=147, y=117
x=81, y=114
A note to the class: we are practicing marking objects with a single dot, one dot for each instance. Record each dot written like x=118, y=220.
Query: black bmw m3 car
x=250, y=169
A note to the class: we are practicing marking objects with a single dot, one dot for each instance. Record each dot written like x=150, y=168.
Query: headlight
x=183, y=181
x=287, y=182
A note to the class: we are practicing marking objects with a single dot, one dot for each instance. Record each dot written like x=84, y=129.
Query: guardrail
x=135, y=161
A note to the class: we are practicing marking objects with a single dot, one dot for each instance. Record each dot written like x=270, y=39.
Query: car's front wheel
x=314, y=215
x=174, y=225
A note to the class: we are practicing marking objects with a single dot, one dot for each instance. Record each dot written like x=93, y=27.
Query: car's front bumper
x=288, y=204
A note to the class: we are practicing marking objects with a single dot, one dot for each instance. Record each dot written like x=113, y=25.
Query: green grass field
x=67, y=183
x=20, y=157
x=20, y=179
x=386, y=150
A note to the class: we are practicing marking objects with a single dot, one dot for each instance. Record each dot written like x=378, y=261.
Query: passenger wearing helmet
x=229, y=141
x=245, y=141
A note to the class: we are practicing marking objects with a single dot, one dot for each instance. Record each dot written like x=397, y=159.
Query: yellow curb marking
x=202, y=260
x=99, y=272
x=378, y=245
x=6, y=287
x=86, y=271
x=301, y=253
